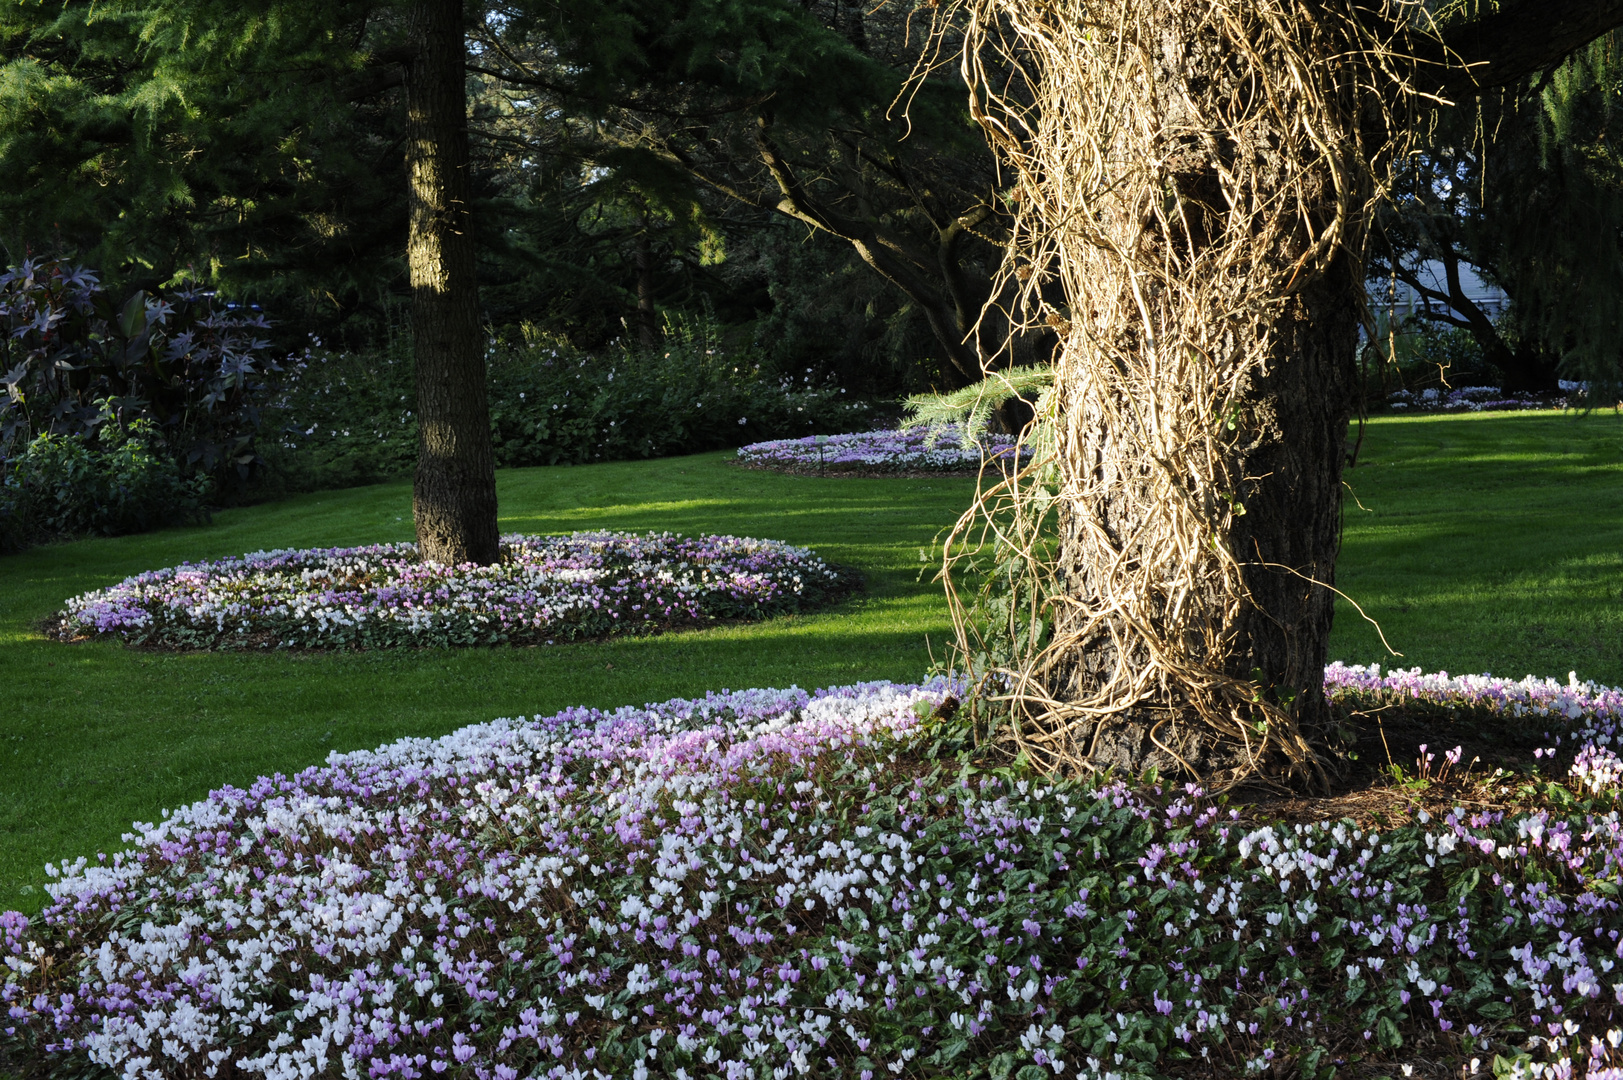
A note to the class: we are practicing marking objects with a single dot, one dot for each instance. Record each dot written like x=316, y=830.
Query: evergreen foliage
x=1553, y=216
x=735, y=113
x=168, y=141
x=259, y=150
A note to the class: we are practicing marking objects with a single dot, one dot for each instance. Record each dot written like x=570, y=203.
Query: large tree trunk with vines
x=1283, y=528
x=454, y=495
x=1194, y=177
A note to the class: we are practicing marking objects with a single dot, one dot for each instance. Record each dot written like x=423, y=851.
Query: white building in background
x=1387, y=293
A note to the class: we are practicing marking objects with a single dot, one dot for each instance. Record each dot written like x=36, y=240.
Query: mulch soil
x=1495, y=771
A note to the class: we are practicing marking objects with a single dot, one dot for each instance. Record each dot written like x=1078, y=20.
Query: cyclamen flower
x=909, y=450
x=771, y=882
x=544, y=589
x=1598, y=770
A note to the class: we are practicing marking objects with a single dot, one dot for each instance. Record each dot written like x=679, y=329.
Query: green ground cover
x=1490, y=543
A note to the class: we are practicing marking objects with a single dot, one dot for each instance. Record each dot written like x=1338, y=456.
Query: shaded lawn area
x=1487, y=542
x=95, y=736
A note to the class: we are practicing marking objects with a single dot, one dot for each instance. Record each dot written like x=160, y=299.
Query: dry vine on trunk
x=1191, y=180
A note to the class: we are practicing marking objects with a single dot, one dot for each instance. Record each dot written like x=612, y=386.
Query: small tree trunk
x=647, y=317
x=1528, y=369
x=454, y=496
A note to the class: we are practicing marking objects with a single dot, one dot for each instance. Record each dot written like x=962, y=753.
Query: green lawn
x=1487, y=542
x=1490, y=543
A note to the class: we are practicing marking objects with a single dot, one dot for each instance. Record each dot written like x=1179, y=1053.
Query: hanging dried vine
x=1181, y=172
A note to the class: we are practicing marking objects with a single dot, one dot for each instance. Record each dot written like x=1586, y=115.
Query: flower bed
x=773, y=883
x=545, y=589
x=1469, y=399
x=912, y=450
x=1598, y=708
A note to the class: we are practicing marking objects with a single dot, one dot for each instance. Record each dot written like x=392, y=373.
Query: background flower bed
x=1470, y=399
x=545, y=589
x=771, y=883
x=910, y=450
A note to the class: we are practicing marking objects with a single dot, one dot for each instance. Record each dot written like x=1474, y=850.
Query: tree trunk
x=1528, y=369
x=643, y=260
x=454, y=495
x=1293, y=421
x=1198, y=175
x=1211, y=297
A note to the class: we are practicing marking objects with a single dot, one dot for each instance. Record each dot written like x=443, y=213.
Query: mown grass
x=1489, y=543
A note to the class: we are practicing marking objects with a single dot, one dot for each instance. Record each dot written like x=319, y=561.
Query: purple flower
x=909, y=450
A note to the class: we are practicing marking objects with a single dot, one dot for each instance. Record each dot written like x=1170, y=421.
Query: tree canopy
x=1523, y=183
x=619, y=150
x=238, y=145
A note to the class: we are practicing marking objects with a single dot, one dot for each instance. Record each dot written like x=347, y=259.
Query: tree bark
x=1201, y=397
x=1293, y=421
x=454, y=494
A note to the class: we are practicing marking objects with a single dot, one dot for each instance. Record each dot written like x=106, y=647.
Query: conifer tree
x=158, y=132
x=790, y=109
x=454, y=494
x=1551, y=225
x=242, y=146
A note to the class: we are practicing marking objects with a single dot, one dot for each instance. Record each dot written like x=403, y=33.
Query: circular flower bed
x=775, y=884
x=545, y=589
x=912, y=450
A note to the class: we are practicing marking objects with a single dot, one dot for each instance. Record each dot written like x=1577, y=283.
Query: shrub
x=343, y=419
x=114, y=481
x=349, y=419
